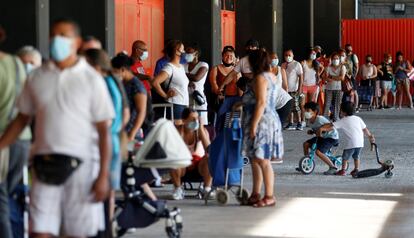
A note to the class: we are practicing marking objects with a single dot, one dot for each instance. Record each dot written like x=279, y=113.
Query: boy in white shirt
x=353, y=129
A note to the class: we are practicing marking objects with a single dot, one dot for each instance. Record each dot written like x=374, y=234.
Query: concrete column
x=216, y=32
x=42, y=27
x=110, y=26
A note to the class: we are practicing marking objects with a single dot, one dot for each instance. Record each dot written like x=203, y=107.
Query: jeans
x=19, y=154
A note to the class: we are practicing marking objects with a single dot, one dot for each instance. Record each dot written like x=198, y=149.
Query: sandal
x=266, y=202
x=253, y=199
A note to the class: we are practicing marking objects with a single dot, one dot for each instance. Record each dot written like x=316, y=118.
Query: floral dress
x=268, y=142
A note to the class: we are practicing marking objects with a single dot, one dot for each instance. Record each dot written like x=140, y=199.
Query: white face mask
x=29, y=67
x=389, y=61
x=289, y=59
x=189, y=58
x=275, y=62
x=312, y=56
x=343, y=59
x=335, y=62
x=144, y=55
x=308, y=115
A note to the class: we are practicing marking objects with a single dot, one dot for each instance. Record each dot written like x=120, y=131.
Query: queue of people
x=95, y=104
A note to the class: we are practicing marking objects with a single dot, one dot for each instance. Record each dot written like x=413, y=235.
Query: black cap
x=253, y=43
x=228, y=48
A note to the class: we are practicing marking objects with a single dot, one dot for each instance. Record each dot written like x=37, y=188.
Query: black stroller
x=137, y=210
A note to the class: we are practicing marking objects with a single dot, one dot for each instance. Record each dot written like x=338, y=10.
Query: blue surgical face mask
x=194, y=125
x=189, y=58
x=28, y=67
x=275, y=62
x=144, y=55
x=60, y=48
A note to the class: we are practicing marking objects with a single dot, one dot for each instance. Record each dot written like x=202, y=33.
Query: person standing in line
x=173, y=76
x=354, y=62
x=401, y=69
x=71, y=104
x=334, y=76
x=13, y=156
x=197, y=71
x=140, y=53
x=294, y=73
x=386, y=75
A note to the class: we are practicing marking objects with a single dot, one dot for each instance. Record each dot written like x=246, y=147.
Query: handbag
x=55, y=169
x=198, y=98
x=346, y=85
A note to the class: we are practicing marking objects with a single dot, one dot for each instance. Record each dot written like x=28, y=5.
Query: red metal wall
x=140, y=20
x=377, y=37
x=228, y=28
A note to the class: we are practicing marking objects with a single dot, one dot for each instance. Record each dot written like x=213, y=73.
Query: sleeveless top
x=309, y=75
x=231, y=88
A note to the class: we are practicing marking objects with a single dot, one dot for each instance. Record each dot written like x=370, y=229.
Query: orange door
x=140, y=20
x=228, y=28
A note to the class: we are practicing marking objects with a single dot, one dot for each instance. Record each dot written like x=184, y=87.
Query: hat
x=228, y=48
x=253, y=43
x=318, y=47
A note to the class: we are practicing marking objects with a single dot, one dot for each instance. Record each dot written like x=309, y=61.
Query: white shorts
x=68, y=206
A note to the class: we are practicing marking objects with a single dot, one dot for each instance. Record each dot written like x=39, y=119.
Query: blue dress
x=268, y=142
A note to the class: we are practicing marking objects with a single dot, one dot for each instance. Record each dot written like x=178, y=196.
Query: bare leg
x=324, y=158
x=400, y=95
x=344, y=164
x=176, y=175
x=268, y=176
x=204, y=172
x=407, y=92
x=257, y=177
x=299, y=117
x=356, y=163
x=356, y=98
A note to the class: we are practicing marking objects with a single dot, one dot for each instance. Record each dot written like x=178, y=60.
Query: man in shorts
x=294, y=73
x=72, y=108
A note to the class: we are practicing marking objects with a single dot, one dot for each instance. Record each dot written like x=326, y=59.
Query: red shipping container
x=379, y=36
x=140, y=20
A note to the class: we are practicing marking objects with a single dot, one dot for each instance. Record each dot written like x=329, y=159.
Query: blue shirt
x=132, y=88
x=116, y=126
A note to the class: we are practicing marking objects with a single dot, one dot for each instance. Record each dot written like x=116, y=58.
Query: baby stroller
x=162, y=149
x=365, y=93
x=226, y=163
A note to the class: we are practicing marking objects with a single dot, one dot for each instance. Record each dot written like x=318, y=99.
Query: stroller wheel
x=222, y=197
x=243, y=196
x=389, y=174
x=246, y=161
x=306, y=165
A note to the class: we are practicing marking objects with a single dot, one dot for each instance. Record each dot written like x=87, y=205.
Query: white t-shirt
x=335, y=85
x=293, y=71
x=243, y=66
x=282, y=97
x=309, y=75
x=66, y=104
x=352, y=134
x=199, y=85
x=179, y=83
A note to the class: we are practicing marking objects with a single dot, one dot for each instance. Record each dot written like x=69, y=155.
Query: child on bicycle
x=353, y=129
x=323, y=143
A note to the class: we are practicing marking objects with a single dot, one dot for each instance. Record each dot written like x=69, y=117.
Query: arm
x=323, y=129
x=213, y=81
x=409, y=67
x=101, y=185
x=199, y=75
x=379, y=70
x=14, y=129
x=369, y=135
x=260, y=91
x=156, y=83
x=341, y=77
x=204, y=136
x=143, y=76
x=230, y=77
x=320, y=70
x=140, y=100
x=300, y=89
x=375, y=73
x=284, y=79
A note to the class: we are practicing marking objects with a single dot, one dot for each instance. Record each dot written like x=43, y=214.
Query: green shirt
x=8, y=97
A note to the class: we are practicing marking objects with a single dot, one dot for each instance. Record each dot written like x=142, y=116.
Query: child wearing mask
x=353, y=129
x=324, y=142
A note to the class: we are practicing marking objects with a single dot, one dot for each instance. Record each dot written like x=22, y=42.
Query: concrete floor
x=317, y=205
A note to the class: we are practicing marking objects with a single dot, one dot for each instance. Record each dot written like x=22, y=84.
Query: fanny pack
x=55, y=169
x=198, y=98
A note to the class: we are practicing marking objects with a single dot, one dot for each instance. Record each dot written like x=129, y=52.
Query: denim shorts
x=323, y=144
x=355, y=153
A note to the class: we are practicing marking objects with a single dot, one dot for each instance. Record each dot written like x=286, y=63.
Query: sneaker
x=178, y=194
x=303, y=124
x=290, y=127
x=354, y=172
x=276, y=161
x=299, y=127
x=330, y=171
x=210, y=193
x=341, y=172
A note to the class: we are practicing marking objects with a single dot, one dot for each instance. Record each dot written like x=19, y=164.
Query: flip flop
x=266, y=202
